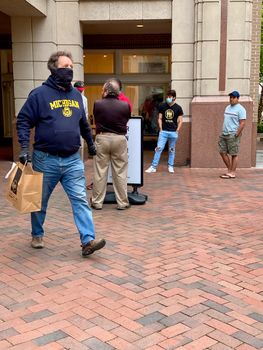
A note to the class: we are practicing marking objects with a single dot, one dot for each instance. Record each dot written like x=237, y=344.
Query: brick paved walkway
x=184, y=271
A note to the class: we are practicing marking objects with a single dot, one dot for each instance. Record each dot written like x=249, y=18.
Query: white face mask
x=169, y=100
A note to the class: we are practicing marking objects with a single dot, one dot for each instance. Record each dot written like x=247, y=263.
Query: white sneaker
x=151, y=169
x=170, y=169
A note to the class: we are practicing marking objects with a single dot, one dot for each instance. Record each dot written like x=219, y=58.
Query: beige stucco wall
x=24, y=7
x=124, y=10
x=35, y=38
x=239, y=46
x=207, y=47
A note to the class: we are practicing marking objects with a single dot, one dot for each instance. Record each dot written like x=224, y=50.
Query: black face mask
x=63, y=77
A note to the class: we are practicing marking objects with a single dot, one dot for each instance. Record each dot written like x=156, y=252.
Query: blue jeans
x=164, y=136
x=69, y=172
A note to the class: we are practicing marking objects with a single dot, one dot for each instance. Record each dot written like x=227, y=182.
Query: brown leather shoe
x=90, y=186
x=37, y=243
x=92, y=246
x=94, y=206
x=124, y=208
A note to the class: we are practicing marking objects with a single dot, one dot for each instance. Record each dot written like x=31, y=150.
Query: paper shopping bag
x=24, y=189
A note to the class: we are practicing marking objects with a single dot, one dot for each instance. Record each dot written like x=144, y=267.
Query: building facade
x=201, y=48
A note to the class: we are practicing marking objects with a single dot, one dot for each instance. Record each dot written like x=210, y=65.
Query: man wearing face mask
x=56, y=111
x=170, y=122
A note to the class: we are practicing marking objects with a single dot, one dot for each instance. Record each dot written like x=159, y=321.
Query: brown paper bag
x=24, y=189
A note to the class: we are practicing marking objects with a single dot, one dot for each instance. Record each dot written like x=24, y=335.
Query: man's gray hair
x=52, y=63
x=111, y=88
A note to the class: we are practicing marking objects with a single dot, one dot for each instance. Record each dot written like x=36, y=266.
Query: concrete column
x=221, y=65
x=69, y=33
x=206, y=48
x=182, y=69
x=208, y=39
x=255, y=63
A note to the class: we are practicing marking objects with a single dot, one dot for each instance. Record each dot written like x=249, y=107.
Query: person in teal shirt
x=229, y=140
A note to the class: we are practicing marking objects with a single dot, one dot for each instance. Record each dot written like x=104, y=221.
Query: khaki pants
x=111, y=149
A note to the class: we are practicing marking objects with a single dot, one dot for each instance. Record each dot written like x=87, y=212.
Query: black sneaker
x=92, y=246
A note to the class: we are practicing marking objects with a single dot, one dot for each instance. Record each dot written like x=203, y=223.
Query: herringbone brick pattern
x=184, y=271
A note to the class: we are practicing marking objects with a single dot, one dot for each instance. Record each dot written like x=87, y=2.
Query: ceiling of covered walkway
x=127, y=27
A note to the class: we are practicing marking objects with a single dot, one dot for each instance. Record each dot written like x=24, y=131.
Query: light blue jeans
x=164, y=136
x=69, y=172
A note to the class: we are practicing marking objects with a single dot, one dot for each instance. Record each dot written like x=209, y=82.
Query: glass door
x=145, y=77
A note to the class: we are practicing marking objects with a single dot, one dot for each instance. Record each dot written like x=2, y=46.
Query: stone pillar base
x=207, y=122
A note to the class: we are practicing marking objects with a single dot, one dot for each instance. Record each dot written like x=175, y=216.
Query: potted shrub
x=260, y=128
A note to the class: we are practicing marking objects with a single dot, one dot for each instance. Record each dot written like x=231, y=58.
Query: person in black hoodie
x=56, y=111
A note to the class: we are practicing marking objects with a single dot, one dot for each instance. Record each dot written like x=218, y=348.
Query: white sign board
x=134, y=137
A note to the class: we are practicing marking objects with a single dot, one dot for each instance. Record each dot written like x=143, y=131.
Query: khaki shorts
x=229, y=144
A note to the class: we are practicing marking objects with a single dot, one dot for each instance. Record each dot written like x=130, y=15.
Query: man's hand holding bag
x=24, y=189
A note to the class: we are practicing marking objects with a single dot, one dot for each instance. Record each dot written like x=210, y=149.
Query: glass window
x=145, y=76
x=98, y=63
x=92, y=93
x=145, y=102
x=153, y=64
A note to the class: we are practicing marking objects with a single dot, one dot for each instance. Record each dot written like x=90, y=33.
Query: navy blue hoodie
x=58, y=117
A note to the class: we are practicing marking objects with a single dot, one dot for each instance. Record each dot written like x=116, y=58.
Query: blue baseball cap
x=234, y=94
